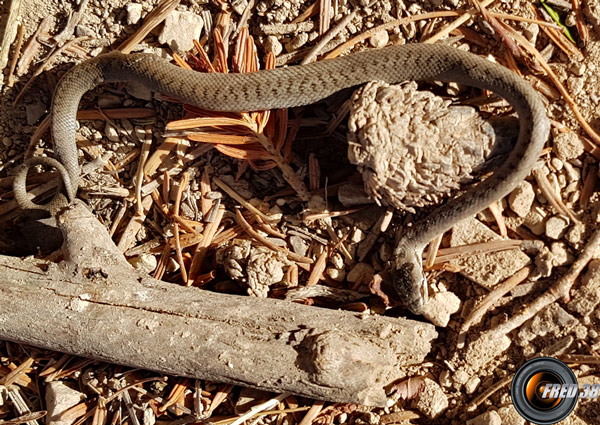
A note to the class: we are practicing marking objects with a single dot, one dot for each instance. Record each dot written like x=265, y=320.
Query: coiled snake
x=307, y=84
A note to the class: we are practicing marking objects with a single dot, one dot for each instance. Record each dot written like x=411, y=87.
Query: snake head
x=409, y=282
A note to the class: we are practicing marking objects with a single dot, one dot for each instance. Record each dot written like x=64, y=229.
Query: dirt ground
x=552, y=217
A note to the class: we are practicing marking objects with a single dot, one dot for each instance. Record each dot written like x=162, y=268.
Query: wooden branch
x=97, y=306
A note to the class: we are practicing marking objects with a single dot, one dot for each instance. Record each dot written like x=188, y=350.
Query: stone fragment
x=336, y=274
x=337, y=261
x=479, y=353
x=472, y=384
x=59, y=398
x=560, y=254
x=299, y=245
x=296, y=42
x=379, y=39
x=111, y=132
x=576, y=235
x=567, y=146
x=180, y=29
x=490, y=268
x=556, y=227
x=134, y=13
x=535, y=221
x=272, y=45
x=440, y=307
x=521, y=199
x=432, y=401
x=144, y=263
x=460, y=377
x=84, y=31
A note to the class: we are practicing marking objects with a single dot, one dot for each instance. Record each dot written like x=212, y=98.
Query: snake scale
x=307, y=84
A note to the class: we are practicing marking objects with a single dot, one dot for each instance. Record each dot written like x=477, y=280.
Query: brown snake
x=304, y=85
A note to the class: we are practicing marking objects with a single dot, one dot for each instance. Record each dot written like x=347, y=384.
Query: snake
x=304, y=85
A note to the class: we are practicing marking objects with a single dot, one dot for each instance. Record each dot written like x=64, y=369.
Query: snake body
x=307, y=84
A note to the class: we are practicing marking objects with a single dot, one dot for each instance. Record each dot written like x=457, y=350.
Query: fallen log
x=100, y=308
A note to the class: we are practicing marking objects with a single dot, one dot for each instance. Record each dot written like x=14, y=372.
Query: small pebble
x=573, y=173
x=575, y=85
x=567, y=146
x=296, y=42
x=578, y=69
x=299, y=245
x=337, y=261
x=357, y=236
x=336, y=274
x=575, y=236
x=172, y=265
x=560, y=254
x=556, y=227
x=110, y=131
x=60, y=398
x=83, y=31
x=180, y=29
x=509, y=415
x=134, y=13
x=440, y=307
x=432, y=401
x=556, y=163
x=535, y=221
x=272, y=45
x=379, y=39
x=445, y=379
x=144, y=263
x=472, y=384
x=521, y=199
x=460, y=377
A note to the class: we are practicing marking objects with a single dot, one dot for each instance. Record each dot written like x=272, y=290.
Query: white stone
x=432, y=401
x=111, y=133
x=59, y=398
x=379, y=39
x=180, y=29
x=521, y=199
x=145, y=263
x=134, y=13
x=272, y=45
x=440, y=307
x=556, y=227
